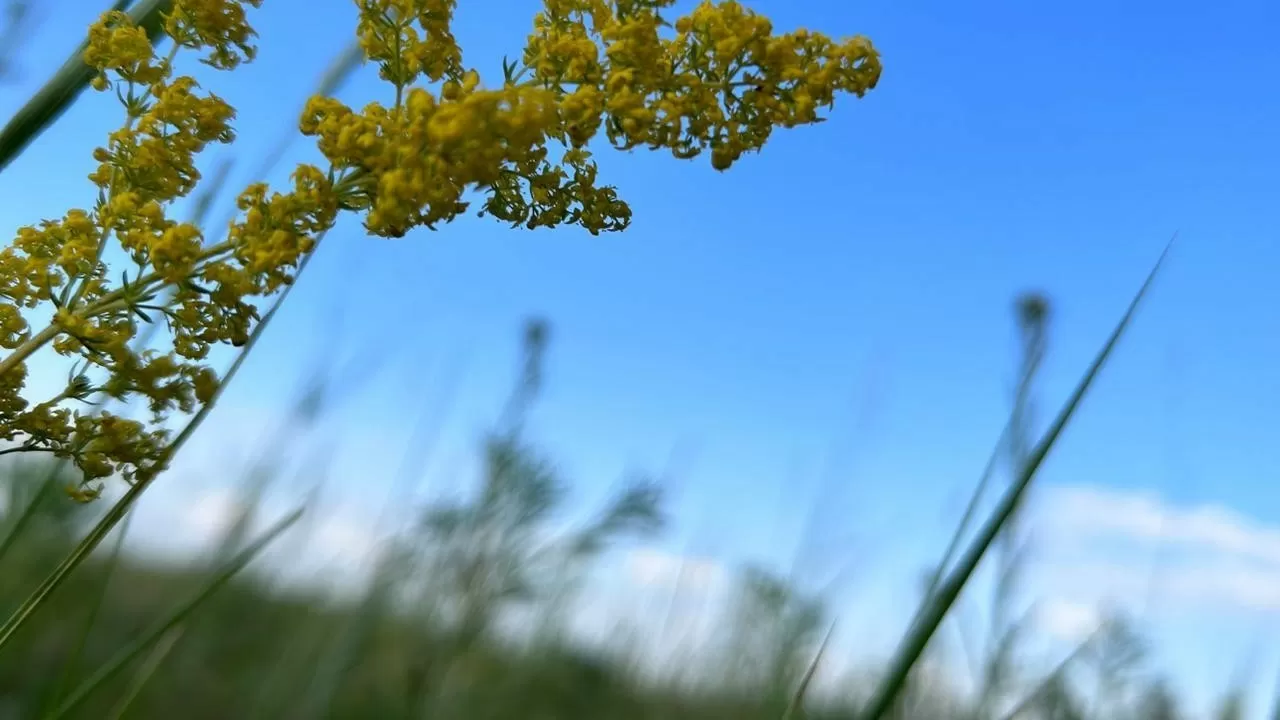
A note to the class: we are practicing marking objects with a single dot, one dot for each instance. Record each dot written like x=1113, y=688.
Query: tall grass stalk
x=797, y=700
x=939, y=604
x=162, y=648
x=72, y=663
x=31, y=508
x=1004, y=631
x=61, y=91
x=162, y=628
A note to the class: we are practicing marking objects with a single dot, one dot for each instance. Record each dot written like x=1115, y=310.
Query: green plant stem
x=797, y=699
x=118, y=299
x=148, y=669
x=69, y=666
x=164, y=627
x=62, y=90
x=28, y=348
x=32, y=508
x=970, y=511
x=937, y=607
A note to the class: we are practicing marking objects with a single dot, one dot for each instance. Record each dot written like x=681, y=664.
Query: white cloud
x=1112, y=543
x=1144, y=516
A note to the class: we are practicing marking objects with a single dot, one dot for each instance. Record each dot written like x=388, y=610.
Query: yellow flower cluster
x=720, y=82
x=717, y=80
x=146, y=164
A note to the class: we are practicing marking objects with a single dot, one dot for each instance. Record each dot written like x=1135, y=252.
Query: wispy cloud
x=1145, y=516
x=1111, y=544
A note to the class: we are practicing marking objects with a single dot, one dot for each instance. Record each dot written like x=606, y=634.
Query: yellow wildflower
x=717, y=80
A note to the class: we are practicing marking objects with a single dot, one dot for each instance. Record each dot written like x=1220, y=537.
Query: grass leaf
x=70, y=664
x=938, y=605
x=62, y=90
x=163, y=628
x=33, y=506
x=797, y=700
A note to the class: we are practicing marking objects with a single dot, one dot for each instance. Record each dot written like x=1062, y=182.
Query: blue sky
x=832, y=318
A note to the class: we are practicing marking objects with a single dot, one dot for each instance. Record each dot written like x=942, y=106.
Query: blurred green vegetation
x=428, y=635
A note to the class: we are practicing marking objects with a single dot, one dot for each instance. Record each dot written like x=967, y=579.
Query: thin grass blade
x=149, y=638
x=1009, y=441
x=970, y=512
x=939, y=605
x=797, y=700
x=70, y=665
x=148, y=669
x=32, y=508
x=61, y=91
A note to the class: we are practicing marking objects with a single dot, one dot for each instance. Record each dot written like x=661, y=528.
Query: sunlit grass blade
x=65, y=86
x=117, y=511
x=938, y=605
x=158, y=631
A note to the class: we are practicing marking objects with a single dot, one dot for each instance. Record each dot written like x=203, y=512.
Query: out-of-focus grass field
x=430, y=633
